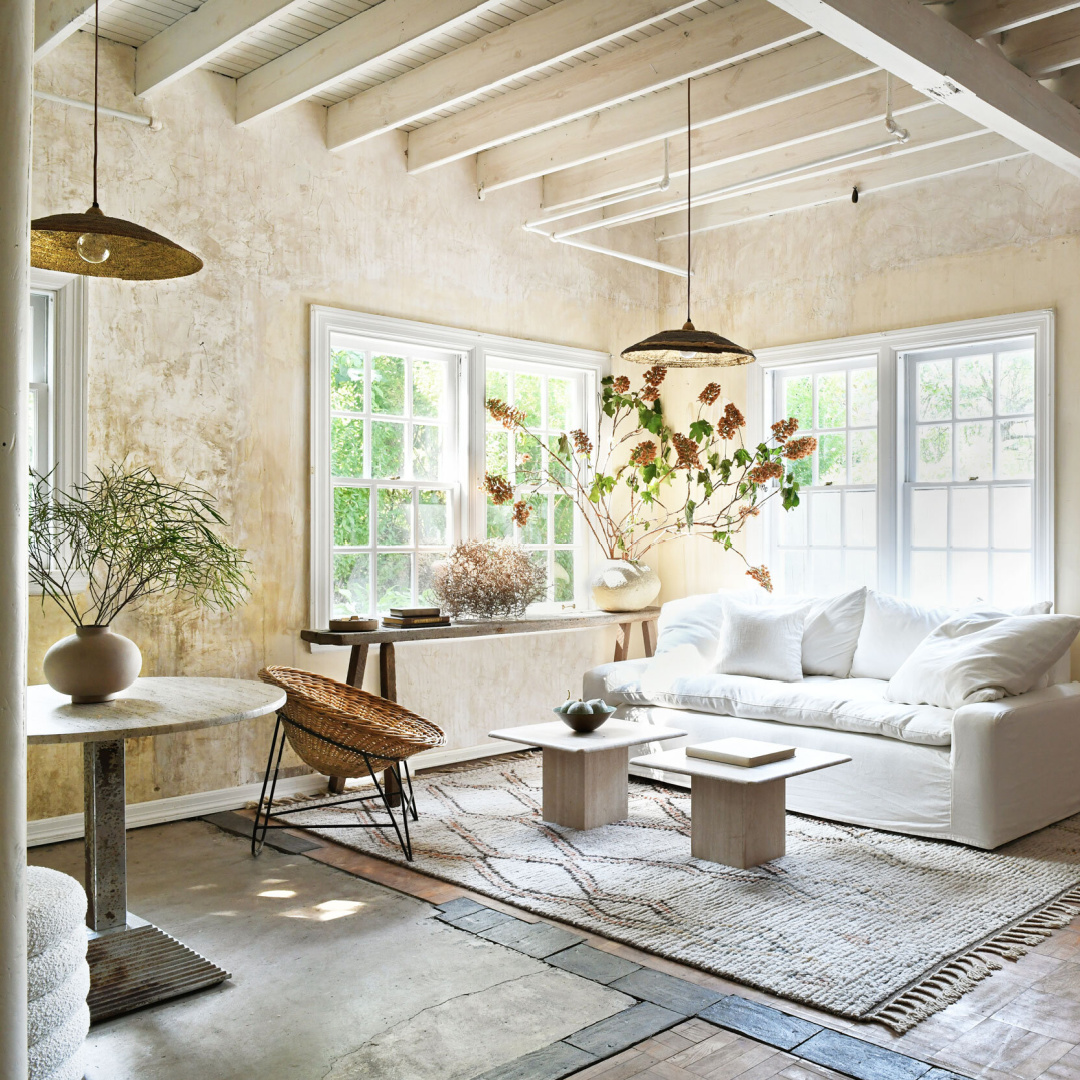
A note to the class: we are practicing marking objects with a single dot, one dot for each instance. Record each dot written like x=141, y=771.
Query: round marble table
x=132, y=962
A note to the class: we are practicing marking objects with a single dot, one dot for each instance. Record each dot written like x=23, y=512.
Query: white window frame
x=583, y=547
x=66, y=387
x=890, y=347
x=472, y=348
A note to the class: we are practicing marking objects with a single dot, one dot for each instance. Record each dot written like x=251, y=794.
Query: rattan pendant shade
x=135, y=253
x=688, y=347
x=94, y=245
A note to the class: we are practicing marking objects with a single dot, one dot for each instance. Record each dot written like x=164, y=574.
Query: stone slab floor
x=343, y=968
x=334, y=978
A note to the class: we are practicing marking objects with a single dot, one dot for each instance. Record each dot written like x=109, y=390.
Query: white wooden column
x=16, y=62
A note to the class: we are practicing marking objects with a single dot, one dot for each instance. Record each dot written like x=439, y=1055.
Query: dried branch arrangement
x=122, y=536
x=705, y=481
x=488, y=579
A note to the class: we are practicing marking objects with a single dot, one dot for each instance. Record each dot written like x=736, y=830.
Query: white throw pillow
x=891, y=629
x=982, y=656
x=696, y=620
x=831, y=632
x=761, y=641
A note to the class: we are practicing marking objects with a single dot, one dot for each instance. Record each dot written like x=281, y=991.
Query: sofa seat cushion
x=857, y=705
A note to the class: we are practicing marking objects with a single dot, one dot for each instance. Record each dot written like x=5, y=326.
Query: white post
x=16, y=62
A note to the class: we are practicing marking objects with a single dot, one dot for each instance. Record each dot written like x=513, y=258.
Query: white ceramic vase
x=622, y=585
x=93, y=664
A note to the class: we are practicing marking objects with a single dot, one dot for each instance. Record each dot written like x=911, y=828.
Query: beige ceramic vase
x=94, y=664
x=622, y=585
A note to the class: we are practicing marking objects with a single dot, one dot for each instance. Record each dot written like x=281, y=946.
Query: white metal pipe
x=759, y=183
x=135, y=118
x=585, y=206
x=653, y=264
x=16, y=112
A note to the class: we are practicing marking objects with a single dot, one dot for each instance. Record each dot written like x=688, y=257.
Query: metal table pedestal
x=132, y=962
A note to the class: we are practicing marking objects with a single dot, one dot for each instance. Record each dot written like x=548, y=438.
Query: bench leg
x=355, y=677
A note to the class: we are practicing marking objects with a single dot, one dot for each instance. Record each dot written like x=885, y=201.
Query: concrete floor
x=334, y=978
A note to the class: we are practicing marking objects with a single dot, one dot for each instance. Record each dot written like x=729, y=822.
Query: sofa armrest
x=606, y=680
x=1016, y=764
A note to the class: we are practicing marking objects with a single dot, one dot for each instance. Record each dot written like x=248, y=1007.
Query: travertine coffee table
x=737, y=815
x=585, y=774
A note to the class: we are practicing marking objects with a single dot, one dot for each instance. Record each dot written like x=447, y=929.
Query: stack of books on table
x=402, y=618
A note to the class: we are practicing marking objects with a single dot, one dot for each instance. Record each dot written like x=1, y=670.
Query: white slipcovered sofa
x=983, y=773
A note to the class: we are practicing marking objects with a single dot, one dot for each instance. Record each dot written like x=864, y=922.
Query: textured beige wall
x=989, y=242
x=207, y=377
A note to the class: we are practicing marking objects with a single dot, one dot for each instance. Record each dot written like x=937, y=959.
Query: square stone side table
x=738, y=815
x=586, y=773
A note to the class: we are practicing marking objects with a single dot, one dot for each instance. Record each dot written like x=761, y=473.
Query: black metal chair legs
x=405, y=797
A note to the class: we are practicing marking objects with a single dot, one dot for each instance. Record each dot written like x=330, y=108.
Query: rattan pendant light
x=688, y=347
x=98, y=246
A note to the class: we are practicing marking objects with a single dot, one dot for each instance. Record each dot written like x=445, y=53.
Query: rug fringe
x=954, y=979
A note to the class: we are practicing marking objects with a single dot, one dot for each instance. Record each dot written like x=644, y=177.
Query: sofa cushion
x=856, y=705
x=982, y=656
x=891, y=630
x=696, y=620
x=830, y=632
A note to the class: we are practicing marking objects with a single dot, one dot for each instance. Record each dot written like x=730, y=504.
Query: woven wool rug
x=864, y=924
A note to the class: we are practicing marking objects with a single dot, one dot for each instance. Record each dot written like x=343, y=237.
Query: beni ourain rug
x=861, y=923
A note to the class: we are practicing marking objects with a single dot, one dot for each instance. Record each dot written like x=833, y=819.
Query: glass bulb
x=93, y=247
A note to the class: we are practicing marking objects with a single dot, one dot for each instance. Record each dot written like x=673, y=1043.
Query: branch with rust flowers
x=704, y=481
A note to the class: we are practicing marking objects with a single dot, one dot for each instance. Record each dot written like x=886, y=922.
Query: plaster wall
x=206, y=378
x=992, y=241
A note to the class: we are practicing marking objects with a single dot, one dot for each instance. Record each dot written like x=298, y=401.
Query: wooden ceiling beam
x=56, y=20
x=1047, y=46
x=707, y=43
x=764, y=80
x=916, y=45
x=545, y=37
x=870, y=178
x=980, y=18
x=346, y=50
x=197, y=38
x=855, y=104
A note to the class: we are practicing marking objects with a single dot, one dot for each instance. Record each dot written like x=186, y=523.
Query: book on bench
x=415, y=612
x=744, y=752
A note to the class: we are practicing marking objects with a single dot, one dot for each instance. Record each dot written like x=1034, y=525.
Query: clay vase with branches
x=115, y=540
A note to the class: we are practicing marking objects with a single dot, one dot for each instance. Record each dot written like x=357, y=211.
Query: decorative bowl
x=585, y=722
x=354, y=625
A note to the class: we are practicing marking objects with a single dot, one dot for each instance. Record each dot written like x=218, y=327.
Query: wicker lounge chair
x=340, y=730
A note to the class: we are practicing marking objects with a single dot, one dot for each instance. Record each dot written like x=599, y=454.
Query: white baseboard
x=70, y=826
x=199, y=803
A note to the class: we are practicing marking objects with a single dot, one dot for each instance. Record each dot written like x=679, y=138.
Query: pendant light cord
x=689, y=172
x=97, y=46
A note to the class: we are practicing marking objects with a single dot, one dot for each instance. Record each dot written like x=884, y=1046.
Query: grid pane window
x=42, y=309
x=829, y=542
x=393, y=472
x=553, y=400
x=969, y=492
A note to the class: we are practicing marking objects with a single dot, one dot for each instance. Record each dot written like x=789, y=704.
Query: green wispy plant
x=122, y=536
